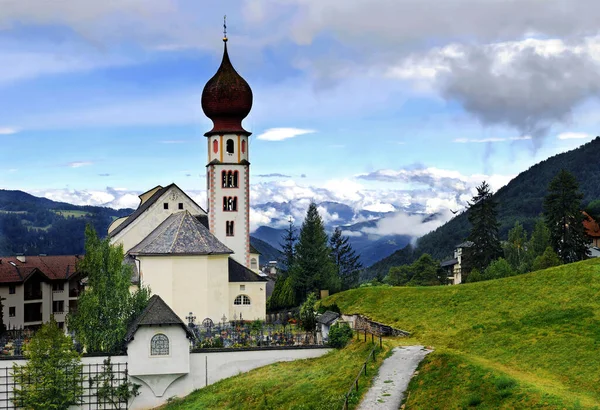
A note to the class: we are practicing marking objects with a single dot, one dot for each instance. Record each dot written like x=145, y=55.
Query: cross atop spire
x=225, y=28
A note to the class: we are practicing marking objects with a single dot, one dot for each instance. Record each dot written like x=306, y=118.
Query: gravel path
x=394, y=374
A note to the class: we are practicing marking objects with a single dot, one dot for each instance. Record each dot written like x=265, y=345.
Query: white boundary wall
x=205, y=368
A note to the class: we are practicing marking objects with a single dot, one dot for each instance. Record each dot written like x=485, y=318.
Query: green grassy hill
x=529, y=341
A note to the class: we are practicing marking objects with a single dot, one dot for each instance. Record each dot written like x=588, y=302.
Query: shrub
x=546, y=260
x=499, y=268
x=339, y=335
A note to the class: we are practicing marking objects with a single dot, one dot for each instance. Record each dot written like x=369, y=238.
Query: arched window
x=215, y=146
x=243, y=146
x=241, y=300
x=159, y=345
x=224, y=179
x=229, y=228
x=235, y=179
x=229, y=179
x=229, y=146
x=230, y=203
x=253, y=263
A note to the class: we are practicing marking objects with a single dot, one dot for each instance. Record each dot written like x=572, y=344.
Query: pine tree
x=484, y=228
x=540, y=239
x=288, y=254
x=562, y=211
x=313, y=269
x=346, y=260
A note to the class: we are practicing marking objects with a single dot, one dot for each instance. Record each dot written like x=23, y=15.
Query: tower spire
x=225, y=28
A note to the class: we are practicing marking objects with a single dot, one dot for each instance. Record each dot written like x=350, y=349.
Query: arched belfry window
x=215, y=146
x=159, y=345
x=242, y=300
x=229, y=179
x=243, y=146
x=230, y=203
x=229, y=146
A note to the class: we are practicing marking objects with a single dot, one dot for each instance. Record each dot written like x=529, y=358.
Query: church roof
x=145, y=206
x=180, y=234
x=254, y=250
x=240, y=273
x=157, y=313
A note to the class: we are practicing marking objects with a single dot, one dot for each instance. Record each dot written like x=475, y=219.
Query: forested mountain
x=520, y=200
x=33, y=226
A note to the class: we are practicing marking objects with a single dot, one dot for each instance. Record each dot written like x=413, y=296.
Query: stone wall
x=359, y=322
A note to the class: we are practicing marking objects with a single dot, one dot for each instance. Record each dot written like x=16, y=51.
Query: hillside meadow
x=528, y=341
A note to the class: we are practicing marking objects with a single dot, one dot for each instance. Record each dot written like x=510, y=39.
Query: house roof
x=328, y=317
x=592, y=228
x=254, y=250
x=240, y=273
x=449, y=262
x=145, y=205
x=180, y=234
x=157, y=313
x=61, y=267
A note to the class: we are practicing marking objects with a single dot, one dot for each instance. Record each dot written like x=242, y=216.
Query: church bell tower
x=227, y=100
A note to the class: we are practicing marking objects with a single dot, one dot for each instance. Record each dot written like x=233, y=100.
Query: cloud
x=8, y=130
x=104, y=175
x=79, y=164
x=280, y=134
x=274, y=175
x=493, y=139
x=302, y=175
x=573, y=135
x=402, y=223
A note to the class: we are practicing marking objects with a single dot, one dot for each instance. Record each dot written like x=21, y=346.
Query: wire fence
x=363, y=370
x=98, y=385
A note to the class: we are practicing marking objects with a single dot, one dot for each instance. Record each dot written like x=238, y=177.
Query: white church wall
x=197, y=284
x=145, y=223
x=256, y=291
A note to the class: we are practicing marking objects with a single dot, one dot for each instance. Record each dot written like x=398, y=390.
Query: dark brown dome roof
x=226, y=99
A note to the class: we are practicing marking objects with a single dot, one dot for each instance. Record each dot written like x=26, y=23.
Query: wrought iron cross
x=225, y=27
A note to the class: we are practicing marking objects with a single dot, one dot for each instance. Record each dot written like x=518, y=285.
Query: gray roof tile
x=157, y=313
x=180, y=234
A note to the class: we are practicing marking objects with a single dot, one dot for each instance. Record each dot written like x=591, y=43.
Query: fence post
x=380, y=346
x=357, y=383
x=366, y=368
x=372, y=338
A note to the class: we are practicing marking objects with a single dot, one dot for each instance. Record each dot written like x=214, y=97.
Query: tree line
x=558, y=236
x=312, y=261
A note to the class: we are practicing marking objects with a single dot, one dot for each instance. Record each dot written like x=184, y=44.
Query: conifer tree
x=346, y=260
x=288, y=253
x=540, y=239
x=313, y=269
x=484, y=228
x=283, y=295
x=562, y=211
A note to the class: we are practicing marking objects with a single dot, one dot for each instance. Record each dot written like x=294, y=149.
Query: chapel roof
x=240, y=273
x=180, y=234
x=145, y=205
x=156, y=313
x=60, y=267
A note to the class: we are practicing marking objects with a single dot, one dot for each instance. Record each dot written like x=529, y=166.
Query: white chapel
x=201, y=262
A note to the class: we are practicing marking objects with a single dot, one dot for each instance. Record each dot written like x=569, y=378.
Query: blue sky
x=374, y=103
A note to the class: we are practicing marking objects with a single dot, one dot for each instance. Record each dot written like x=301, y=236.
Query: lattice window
x=253, y=263
x=241, y=300
x=159, y=345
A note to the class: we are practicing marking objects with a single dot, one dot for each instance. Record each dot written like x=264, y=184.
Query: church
x=201, y=262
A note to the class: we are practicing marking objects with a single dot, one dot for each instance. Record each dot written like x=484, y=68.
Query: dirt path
x=394, y=374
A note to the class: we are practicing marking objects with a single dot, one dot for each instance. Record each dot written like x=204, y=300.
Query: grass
x=318, y=383
x=532, y=339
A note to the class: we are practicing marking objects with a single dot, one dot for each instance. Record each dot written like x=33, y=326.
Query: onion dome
x=226, y=99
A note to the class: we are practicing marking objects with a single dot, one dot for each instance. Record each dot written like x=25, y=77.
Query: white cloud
x=8, y=130
x=280, y=134
x=79, y=164
x=402, y=223
x=573, y=135
x=379, y=207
